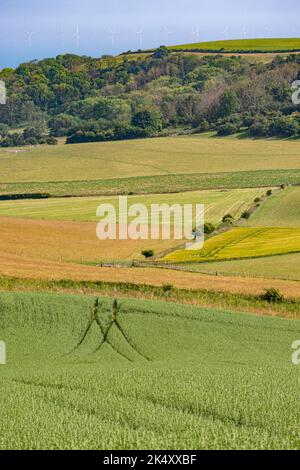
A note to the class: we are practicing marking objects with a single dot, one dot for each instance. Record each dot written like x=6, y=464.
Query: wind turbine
x=62, y=35
x=76, y=35
x=29, y=36
x=295, y=31
x=167, y=32
x=268, y=30
x=113, y=35
x=140, y=33
x=226, y=32
x=196, y=33
x=244, y=31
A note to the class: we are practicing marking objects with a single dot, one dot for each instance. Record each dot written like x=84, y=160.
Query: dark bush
x=227, y=129
x=272, y=295
x=228, y=218
x=148, y=253
x=167, y=287
x=209, y=228
x=246, y=215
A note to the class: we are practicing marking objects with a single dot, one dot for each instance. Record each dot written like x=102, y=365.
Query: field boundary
x=243, y=303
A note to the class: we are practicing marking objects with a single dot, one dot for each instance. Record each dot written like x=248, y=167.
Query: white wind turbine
x=196, y=33
x=62, y=35
x=76, y=35
x=168, y=33
x=294, y=30
x=113, y=35
x=268, y=30
x=140, y=34
x=29, y=37
x=226, y=32
x=244, y=31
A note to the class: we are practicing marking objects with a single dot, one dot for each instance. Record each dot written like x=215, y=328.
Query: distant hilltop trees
x=143, y=95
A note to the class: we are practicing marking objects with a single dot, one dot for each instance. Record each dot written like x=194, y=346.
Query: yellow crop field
x=242, y=243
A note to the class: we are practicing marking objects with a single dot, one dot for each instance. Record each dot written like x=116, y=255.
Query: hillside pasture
x=271, y=267
x=244, y=45
x=146, y=157
x=217, y=204
x=281, y=210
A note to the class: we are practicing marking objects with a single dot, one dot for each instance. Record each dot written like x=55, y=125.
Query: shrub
x=272, y=295
x=246, y=215
x=257, y=199
x=51, y=141
x=209, y=228
x=167, y=287
x=228, y=129
x=269, y=192
x=148, y=253
x=161, y=53
x=228, y=218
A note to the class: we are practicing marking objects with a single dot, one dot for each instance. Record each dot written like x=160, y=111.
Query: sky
x=35, y=29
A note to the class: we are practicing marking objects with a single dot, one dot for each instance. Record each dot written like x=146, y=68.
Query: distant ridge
x=243, y=46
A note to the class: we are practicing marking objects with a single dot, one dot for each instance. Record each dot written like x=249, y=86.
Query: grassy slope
x=282, y=210
x=212, y=377
x=246, y=45
x=217, y=203
x=163, y=156
x=273, y=267
x=243, y=243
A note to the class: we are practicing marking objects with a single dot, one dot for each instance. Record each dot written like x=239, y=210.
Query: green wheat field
x=90, y=373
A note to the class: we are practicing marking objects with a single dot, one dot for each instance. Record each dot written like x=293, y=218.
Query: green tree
x=149, y=121
x=62, y=124
x=161, y=52
x=229, y=104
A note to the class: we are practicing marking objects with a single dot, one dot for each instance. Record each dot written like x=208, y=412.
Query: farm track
x=96, y=318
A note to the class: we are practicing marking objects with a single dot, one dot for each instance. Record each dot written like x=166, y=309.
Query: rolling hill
x=281, y=210
x=244, y=45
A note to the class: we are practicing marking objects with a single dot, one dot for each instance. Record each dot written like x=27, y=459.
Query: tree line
x=113, y=98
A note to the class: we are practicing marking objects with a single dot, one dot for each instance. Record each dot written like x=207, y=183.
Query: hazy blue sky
x=32, y=29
